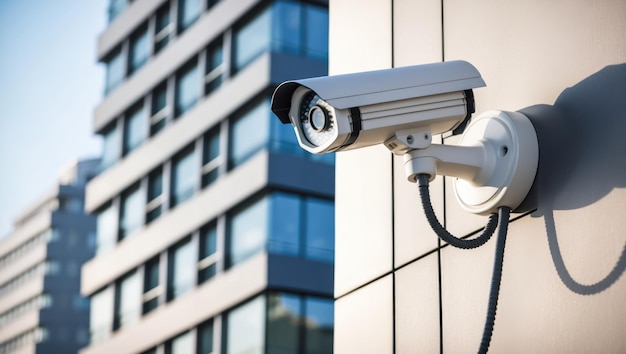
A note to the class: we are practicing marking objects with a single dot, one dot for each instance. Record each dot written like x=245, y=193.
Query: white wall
x=561, y=63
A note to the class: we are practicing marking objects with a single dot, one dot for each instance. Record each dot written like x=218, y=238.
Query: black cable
x=495, y=279
x=500, y=221
x=423, y=180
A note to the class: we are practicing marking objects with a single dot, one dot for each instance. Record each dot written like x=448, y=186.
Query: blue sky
x=49, y=85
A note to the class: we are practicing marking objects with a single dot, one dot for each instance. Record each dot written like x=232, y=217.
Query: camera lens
x=318, y=119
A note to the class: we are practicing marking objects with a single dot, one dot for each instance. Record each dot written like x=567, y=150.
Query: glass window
x=319, y=325
x=284, y=317
x=284, y=234
x=316, y=19
x=208, y=253
x=139, y=49
x=154, y=208
x=188, y=13
x=248, y=229
x=128, y=295
x=131, y=213
x=320, y=230
x=187, y=87
x=135, y=127
x=101, y=317
x=215, y=67
x=245, y=330
x=205, y=338
x=163, y=28
x=115, y=8
x=181, y=272
x=182, y=344
x=252, y=40
x=160, y=109
x=211, y=158
x=184, y=175
x=110, y=146
x=286, y=27
x=249, y=133
x=107, y=229
x=151, y=288
x=116, y=70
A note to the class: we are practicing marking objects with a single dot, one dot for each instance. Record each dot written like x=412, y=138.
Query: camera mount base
x=494, y=163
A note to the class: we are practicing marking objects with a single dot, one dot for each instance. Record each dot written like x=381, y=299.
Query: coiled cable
x=501, y=221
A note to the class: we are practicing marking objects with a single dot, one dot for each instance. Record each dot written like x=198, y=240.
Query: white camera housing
x=494, y=164
x=351, y=111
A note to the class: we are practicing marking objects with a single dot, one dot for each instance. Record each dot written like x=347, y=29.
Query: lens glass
x=316, y=117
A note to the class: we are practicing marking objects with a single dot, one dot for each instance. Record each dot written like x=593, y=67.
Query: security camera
x=351, y=111
x=496, y=158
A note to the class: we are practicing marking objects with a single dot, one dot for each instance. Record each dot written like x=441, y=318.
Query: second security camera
x=344, y=112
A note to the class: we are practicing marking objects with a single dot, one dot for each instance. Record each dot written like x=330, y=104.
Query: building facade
x=563, y=288
x=41, y=309
x=210, y=232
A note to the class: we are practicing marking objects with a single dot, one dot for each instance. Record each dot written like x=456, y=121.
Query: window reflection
x=181, y=270
x=163, y=28
x=151, y=288
x=284, y=234
x=128, y=293
x=319, y=325
x=107, y=229
x=160, y=109
x=285, y=224
x=205, y=338
x=215, y=67
x=285, y=26
x=251, y=40
x=283, y=323
x=184, y=174
x=115, y=8
x=101, y=317
x=249, y=133
x=320, y=230
x=135, y=124
x=110, y=146
x=182, y=344
x=208, y=253
x=248, y=229
x=139, y=49
x=154, y=208
x=115, y=70
x=131, y=212
x=188, y=13
x=211, y=157
x=187, y=87
x=245, y=330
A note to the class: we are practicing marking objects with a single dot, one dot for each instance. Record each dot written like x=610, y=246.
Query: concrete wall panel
x=359, y=41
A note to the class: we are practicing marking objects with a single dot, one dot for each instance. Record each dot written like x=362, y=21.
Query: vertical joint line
x=393, y=55
x=393, y=223
x=443, y=46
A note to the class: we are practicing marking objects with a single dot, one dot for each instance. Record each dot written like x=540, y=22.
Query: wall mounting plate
x=512, y=151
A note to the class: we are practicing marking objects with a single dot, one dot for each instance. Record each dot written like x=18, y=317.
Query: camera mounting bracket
x=494, y=163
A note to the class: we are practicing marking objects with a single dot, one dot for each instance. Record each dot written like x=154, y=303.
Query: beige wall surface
x=563, y=64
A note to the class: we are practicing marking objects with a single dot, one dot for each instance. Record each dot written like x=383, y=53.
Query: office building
x=215, y=230
x=397, y=289
x=41, y=309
